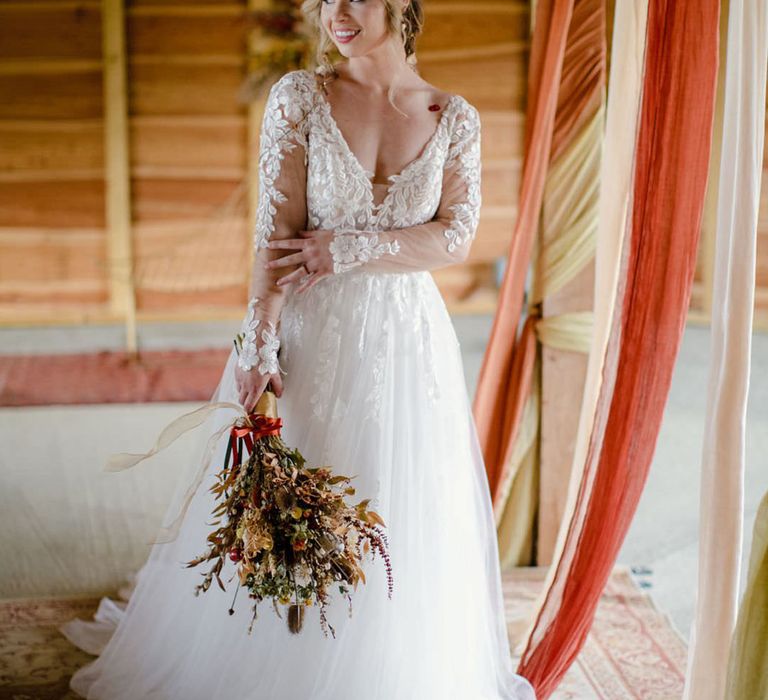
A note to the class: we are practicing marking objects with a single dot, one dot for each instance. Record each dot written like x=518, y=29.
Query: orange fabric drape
x=671, y=165
x=582, y=82
x=565, y=205
x=501, y=393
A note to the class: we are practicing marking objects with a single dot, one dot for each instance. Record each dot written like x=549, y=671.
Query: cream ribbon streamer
x=169, y=434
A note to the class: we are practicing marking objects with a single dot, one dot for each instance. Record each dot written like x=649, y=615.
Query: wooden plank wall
x=187, y=136
x=53, y=245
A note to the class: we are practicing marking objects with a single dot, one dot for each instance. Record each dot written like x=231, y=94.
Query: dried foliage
x=287, y=526
x=284, y=45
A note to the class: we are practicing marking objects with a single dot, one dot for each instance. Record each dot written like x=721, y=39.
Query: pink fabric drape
x=659, y=258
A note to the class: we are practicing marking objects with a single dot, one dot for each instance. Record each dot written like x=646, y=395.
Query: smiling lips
x=344, y=36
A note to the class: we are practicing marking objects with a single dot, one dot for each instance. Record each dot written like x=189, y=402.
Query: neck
x=378, y=70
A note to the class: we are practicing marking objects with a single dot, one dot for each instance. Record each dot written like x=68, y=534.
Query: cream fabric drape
x=722, y=475
x=571, y=331
x=569, y=217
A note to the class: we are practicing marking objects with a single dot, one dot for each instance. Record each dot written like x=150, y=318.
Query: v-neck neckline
x=368, y=174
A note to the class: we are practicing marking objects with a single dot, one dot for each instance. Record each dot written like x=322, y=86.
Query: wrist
x=257, y=343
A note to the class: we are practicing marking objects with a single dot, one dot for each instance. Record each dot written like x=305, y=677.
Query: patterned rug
x=110, y=377
x=632, y=652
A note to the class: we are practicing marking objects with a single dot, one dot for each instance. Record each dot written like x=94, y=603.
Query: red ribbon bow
x=260, y=426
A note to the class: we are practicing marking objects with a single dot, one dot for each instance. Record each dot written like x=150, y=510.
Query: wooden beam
x=47, y=6
x=188, y=10
x=471, y=53
x=188, y=59
x=475, y=8
x=117, y=165
x=48, y=66
x=47, y=175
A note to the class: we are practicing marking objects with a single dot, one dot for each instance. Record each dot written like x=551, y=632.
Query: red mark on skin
x=433, y=108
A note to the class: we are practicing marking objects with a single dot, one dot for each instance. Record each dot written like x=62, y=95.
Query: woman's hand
x=312, y=253
x=251, y=384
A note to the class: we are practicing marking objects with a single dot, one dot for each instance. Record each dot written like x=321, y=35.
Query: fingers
x=286, y=260
x=293, y=276
x=313, y=279
x=252, y=389
x=277, y=384
x=244, y=392
x=249, y=403
x=287, y=243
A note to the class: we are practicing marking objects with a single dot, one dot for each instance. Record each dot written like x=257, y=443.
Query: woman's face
x=355, y=26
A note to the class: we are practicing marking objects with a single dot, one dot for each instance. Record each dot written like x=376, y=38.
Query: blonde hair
x=406, y=23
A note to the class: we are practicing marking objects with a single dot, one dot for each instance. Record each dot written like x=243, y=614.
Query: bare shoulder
x=443, y=98
x=434, y=94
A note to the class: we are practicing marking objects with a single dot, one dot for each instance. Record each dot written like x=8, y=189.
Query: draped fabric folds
x=560, y=178
x=722, y=476
x=658, y=260
x=627, y=62
x=566, y=244
x=504, y=381
x=747, y=676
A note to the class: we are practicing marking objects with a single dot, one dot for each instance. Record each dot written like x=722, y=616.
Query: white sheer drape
x=722, y=475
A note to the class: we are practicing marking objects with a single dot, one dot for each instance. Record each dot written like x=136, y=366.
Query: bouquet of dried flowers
x=287, y=526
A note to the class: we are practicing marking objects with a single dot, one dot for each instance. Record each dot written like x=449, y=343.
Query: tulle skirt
x=374, y=387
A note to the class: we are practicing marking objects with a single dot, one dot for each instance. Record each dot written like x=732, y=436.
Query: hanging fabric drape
x=626, y=75
x=747, y=676
x=658, y=261
x=504, y=381
x=628, y=34
x=722, y=469
x=566, y=245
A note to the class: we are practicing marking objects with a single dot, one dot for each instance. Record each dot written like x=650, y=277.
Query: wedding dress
x=374, y=387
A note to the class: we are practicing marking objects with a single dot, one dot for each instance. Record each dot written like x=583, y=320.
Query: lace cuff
x=256, y=349
x=350, y=248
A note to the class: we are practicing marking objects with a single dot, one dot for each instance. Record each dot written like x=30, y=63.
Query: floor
x=662, y=541
x=631, y=652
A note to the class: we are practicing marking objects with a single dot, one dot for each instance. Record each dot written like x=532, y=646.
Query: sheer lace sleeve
x=281, y=212
x=445, y=239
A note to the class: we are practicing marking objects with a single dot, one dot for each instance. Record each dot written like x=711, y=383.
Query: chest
x=343, y=191
x=382, y=145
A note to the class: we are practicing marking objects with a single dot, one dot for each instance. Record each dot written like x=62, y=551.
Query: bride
x=369, y=177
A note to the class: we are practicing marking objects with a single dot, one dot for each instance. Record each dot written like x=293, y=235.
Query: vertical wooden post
x=117, y=169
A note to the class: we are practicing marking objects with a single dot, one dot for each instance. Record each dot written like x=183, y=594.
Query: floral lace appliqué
x=466, y=150
x=284, y=128
x=258, y=350
x=349, y=250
